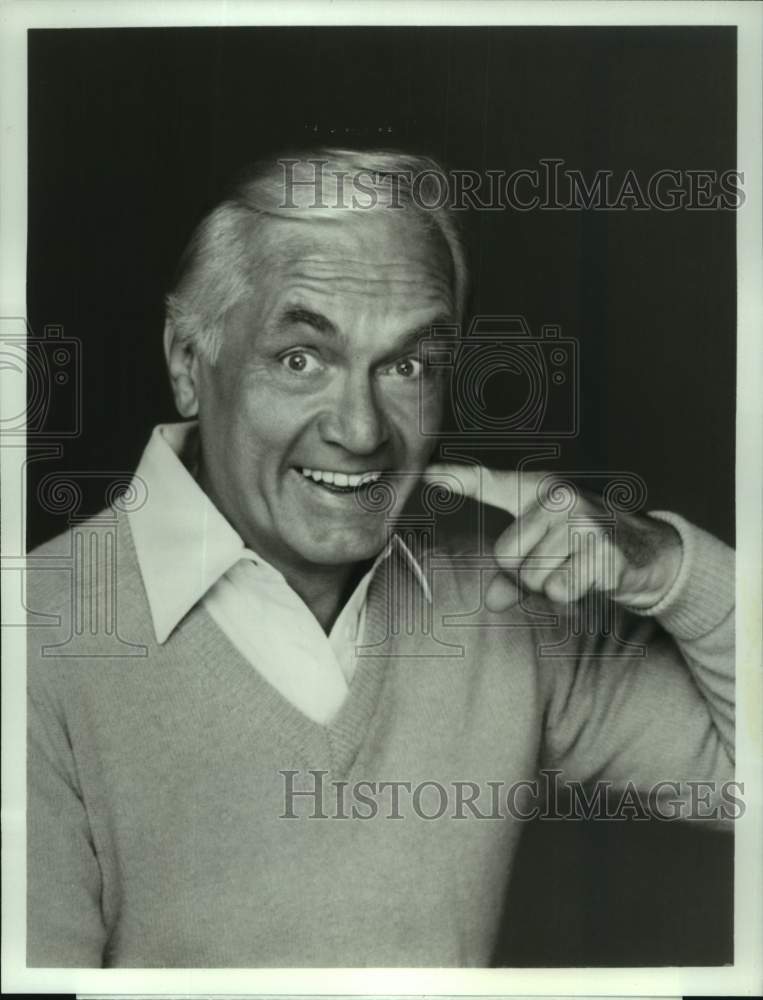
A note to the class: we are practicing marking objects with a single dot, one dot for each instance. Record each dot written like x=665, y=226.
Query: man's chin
x=341, y=551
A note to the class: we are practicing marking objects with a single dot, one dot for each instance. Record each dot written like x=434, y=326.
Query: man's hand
x=567, y=549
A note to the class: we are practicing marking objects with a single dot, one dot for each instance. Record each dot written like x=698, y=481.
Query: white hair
x=216, y=268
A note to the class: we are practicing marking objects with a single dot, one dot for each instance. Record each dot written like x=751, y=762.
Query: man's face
x=319, y=371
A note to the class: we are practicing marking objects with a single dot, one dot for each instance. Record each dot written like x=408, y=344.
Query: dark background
x=133, y=134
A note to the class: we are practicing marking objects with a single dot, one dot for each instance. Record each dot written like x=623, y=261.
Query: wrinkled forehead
x=385, y=245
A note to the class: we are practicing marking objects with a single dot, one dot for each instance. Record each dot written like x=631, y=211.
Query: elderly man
x=237, y=792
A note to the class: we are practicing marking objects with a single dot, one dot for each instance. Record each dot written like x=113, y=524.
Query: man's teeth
x=341, y=478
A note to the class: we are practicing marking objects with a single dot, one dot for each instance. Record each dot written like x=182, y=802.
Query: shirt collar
x=182, y=541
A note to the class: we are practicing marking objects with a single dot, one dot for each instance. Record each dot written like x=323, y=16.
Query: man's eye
x=407, y=368
x=301, y=362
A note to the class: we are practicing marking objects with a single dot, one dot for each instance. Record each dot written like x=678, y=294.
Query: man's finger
x=543, y=558
x=502, y=593
x=521, y=538
x=510, y=491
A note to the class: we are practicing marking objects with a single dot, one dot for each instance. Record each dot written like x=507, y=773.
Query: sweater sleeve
x=64, y=923
x=662, y=708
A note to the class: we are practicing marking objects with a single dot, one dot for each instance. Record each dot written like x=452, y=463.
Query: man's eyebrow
x=298, y=314
x=321, y=323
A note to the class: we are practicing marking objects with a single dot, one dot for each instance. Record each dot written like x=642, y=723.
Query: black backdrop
x=133, y=133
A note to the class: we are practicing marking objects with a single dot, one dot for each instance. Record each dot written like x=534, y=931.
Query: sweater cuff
x=702, y=595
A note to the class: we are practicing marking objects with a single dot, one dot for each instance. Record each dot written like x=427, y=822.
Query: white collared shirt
x=188, y=552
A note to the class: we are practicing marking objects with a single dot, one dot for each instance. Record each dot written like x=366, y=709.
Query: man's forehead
x=393, y=273
x=389, y=240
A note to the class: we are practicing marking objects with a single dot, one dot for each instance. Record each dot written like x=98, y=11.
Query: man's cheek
x=419, y=448
x=430, y=407
x=265, y=421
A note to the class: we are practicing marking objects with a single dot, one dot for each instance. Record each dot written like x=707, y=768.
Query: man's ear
x=183, y=367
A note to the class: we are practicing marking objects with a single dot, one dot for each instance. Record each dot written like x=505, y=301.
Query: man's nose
x=355, y=421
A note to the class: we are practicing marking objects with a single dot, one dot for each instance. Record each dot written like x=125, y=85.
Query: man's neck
x=326, y=589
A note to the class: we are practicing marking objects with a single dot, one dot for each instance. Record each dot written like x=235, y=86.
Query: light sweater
x=156, y=785
x=188, y=552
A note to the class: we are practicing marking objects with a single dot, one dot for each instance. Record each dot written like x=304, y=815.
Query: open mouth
x=341, y=482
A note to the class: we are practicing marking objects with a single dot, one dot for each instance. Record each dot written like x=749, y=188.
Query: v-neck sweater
x=158, y=815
